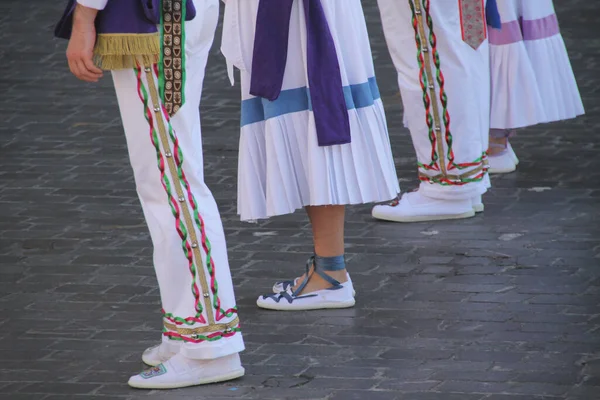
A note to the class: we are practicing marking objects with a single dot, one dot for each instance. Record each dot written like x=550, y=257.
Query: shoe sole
x=238, y=373
x=478, y=208
x=426, y=218
x=286, y=307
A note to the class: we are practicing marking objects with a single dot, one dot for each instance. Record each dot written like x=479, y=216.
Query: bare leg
x=328, y=236
x=499, y=140
x=328, y=229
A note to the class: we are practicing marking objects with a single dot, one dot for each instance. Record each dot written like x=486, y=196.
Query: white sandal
x=339, y=295
x=283, y=286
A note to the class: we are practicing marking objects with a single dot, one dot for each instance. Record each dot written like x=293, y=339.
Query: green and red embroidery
x=205, y=242
x=191, y=251
x=423, y=80
x=427, y=84
x=180, y=226
x=197, y=338
x=443, y=97
x=170, y=96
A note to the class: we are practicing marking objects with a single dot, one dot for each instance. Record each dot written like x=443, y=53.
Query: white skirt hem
x=532, y=83
x=282, y=168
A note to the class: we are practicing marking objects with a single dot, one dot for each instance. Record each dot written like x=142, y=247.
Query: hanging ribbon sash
x=324, y=76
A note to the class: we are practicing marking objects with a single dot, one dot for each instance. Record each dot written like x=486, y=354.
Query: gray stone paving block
x=282, y=338
x=346, y=372
x=439, y=396
x=500, y=297
x=60, y=388
x=87, y=396
x=581, y=391
x=8, y=388
x=559, y=378
x=503, y=387
x=417, y=354
x=219, y=391
x=415, y=386
x=17, y=396
x=470, y=355
x=361, y=394
x=288, y=394
x=518, y=397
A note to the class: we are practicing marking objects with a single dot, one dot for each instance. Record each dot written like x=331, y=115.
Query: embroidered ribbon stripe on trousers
x=174, y=180
x=428, y=54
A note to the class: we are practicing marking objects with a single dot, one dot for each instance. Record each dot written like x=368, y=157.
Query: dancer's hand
x=81, y=45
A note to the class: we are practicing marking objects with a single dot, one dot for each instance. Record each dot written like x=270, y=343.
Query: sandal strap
x=329, y=279
x=325, y=264
x=309, y=263
x=286, y=284
x=290, y=297
x=336, y=263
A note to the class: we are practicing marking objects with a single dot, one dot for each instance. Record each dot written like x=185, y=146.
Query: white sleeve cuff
x=97, y=4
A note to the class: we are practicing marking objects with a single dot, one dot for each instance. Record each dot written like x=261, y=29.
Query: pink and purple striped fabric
x=517, y=31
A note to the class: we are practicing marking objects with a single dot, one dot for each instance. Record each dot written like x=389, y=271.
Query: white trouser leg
x=181, y=213
x=449, y=168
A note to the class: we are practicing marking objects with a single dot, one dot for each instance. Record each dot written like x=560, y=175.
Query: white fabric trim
x=97, y=4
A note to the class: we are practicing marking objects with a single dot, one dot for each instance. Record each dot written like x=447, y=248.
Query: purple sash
x=324, y=76
x=492, y=14
x=121, y=16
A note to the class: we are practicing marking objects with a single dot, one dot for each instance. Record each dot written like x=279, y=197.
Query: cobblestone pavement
x=504, y=306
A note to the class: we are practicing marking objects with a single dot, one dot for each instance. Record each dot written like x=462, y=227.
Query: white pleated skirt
x=532, y=78
x=281, y=166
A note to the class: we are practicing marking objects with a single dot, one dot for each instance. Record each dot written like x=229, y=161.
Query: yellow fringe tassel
x=125, y=51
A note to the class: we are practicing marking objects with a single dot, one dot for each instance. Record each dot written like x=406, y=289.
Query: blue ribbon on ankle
x=336, y=263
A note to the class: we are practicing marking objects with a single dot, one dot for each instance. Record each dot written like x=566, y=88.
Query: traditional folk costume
x=441, y=53
x=532, y=78
x=313, y=128
x=157, y=52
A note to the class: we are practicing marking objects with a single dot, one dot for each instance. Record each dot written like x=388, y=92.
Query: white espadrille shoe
x=283, y=286
x=512, y=153
x=157, y=354
x=179, y=372
x=339, y=295
x=501, y=163
x=415, y=207
x=477, y=204
x=335, y=297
